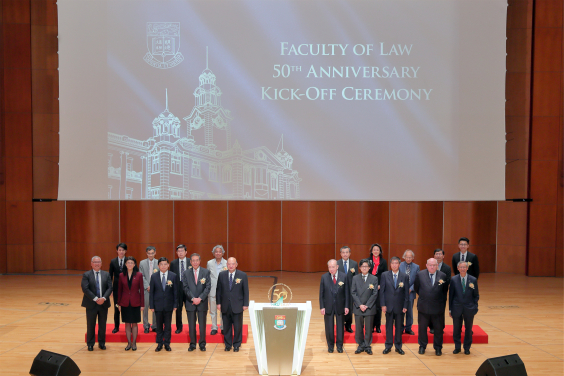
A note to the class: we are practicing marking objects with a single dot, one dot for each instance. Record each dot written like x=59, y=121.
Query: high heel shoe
x=134, y=347
x=128, y=347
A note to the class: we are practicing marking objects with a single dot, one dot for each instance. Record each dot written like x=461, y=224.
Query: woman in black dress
x=131, y=300
x=377, y=266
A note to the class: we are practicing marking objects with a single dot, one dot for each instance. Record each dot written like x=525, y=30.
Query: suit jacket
x=382, y=267
x=115, y=272
x=334, y=297
x=166, y=300
x=175, y=268
x=413, y=272
x=431, y=297
x=446, y=269
x=88, y=285
x=214, y=274
x=134, y=296
x=395, y=299
x=237, y=297
x=473, y=265
x=362, y=294
x=196, y=290
x=352, y=265
x=463, y=302
x=147, y=272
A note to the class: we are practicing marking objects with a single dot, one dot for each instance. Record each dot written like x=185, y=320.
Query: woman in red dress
x=131, y=300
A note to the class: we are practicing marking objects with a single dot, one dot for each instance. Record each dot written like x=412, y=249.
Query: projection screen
x=282, y=100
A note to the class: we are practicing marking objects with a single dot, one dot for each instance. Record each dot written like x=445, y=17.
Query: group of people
x=164, y=288
x=368, y=289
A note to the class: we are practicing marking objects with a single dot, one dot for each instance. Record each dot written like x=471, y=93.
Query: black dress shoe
x=191, y=348
x=339, y=350
x=438, y=352
x=146, y=330
x=421, y=350
x=432, y=331
x=235, y=349
x=90, y=348
x=128, y=347
x=159, y=348
x=467, y=352
x=202, y=348
x=368, y=351
x=400, y=351
x=386, y=351
x=154, y=330
x=102, y=347
x=227, y=348
x=178, y=331
x=115, y=330
x=358, y=350
x=330, y=350
x=348, y=330
x=410, y=332
x=456, y=351
x=213, y=332
x=167, y=348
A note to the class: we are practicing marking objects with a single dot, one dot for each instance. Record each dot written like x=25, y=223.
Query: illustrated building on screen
x=168, y=166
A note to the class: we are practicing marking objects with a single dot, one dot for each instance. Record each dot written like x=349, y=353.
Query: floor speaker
x=508, y=365
x=48, y=363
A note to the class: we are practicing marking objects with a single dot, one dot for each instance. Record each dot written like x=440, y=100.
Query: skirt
x=131, y=314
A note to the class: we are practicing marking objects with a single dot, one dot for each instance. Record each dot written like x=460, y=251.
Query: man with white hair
x=97, y=287
x=215, y=266
x=411, y=269
x=334, y=303
x=430, y=285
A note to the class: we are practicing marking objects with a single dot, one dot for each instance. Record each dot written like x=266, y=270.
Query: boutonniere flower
x=154, y=270
x=441, y=281
x=471, y=285
x=341, y=283
x=371, y=286
x=190, y=267
x=238, y=280
x=225, y=268
x=202, y=281
x=352, y=270
x=469, y=264
x=169, y=283
x=400, y=284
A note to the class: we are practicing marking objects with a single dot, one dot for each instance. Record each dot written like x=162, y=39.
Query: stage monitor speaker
x=508, y=365
x=48, y=363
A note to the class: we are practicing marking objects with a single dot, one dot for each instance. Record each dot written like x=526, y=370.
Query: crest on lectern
x=280, y=322
x=279, y=294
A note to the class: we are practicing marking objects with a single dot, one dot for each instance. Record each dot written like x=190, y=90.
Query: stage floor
x=42, y=311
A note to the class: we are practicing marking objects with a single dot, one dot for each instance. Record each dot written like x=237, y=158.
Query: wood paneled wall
x=510, y=237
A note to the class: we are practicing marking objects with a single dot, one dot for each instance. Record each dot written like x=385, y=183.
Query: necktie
x=230, y=281
x=334, y=280
x=163, y=281
x=462, y=258
x=98, y=291
x=408, y=269
x=463, y=285
x=196, y=276
x=432, y=279
x=121, y=265
x=181, y=269
x=365, y=278
x=346, y=269
x=151, y=267
x=395, y=280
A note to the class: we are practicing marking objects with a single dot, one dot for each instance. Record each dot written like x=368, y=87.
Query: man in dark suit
x=97, y=287
x=178, y=267
x=394, y=291
x=117, y=266
x=463, y=305
x=411, y=269
x=443, y=267
x=350, y=268
x=197, y=284
x=334, y=303
x=232, y=297
x=430, y=285
x=465, y=255
x=364, y=291
x=163, y=300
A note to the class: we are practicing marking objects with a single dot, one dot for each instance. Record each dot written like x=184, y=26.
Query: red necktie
x=334, y=280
